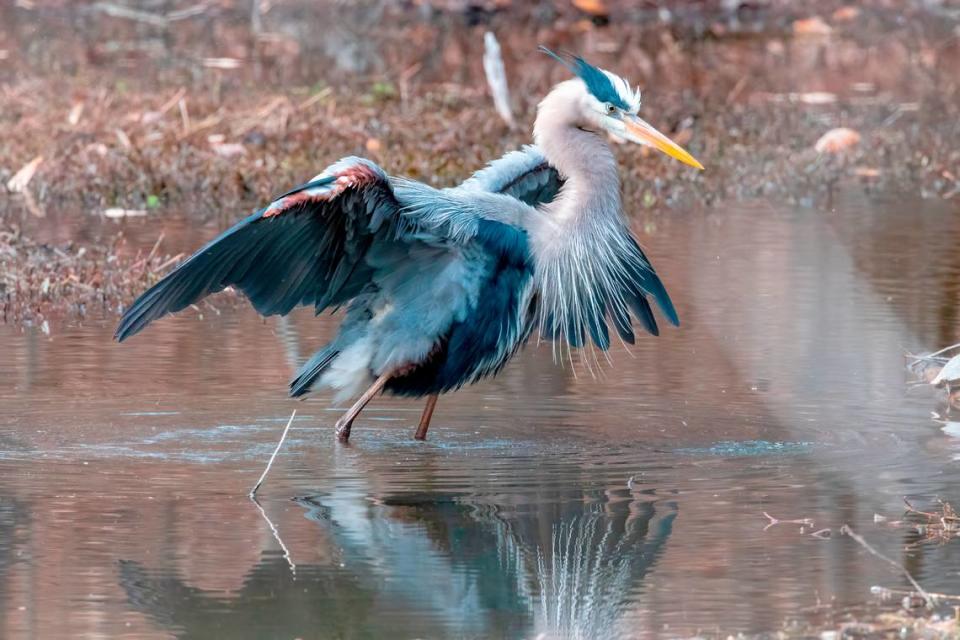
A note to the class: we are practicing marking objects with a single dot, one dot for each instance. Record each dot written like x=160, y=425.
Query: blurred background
x=812, y=254
x=196, y=113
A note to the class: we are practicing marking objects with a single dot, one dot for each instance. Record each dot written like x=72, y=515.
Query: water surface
x=548, y=502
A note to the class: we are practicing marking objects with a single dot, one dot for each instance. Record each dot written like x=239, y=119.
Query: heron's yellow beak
x=642, y=133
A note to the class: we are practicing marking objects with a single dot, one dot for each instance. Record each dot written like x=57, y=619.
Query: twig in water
x=253, y=492
x=884, y=592
x=899, y=567
x=913, y=509
x=804, y=521
x=936, y=526
x=274, y=531
x=936, y=353
x=925, y=357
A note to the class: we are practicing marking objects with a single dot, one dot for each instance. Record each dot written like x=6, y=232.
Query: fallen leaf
x=845, y=14
x=222, y=63
x=867, y=172
x=229, y=149
x=775, y=48
x=593, y=7
x=373, y=145
x=32, y=205
x=98, y=148
x=813, y=26
x=583, y=26
x=815, y=97
x=837, y=140
x=123, y=138
x=116, y=213
x=18, y=183
x=73, y=118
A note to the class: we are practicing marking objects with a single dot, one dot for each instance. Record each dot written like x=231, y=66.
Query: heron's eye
x=610, y=109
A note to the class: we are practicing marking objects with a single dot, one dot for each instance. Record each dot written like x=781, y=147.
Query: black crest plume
x=598, y=83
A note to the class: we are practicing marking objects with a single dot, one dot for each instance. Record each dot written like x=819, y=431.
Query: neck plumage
x=591, y=189
x=586, y=260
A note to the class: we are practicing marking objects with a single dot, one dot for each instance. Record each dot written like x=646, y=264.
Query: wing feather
x=525, y=174
x=300, y=249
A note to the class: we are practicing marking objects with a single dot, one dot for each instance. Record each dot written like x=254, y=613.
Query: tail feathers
x=311, y=370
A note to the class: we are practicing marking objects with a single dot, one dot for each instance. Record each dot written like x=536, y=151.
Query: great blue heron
x=443, y=286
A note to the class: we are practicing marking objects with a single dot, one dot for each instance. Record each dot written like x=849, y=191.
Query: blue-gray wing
x=525, y=175
x=305, y=248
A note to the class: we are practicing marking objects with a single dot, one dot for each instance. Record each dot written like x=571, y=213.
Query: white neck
x=591, y=190
x=580, y=241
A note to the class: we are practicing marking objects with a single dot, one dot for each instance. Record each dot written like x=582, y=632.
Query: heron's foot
x=343, y=429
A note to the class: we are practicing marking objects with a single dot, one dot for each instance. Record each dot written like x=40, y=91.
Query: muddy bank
x=117, y=121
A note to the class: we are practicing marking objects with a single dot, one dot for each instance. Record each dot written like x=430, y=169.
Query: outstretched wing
x=306, y=247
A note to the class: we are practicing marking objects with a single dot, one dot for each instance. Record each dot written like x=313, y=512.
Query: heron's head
x=598, y=100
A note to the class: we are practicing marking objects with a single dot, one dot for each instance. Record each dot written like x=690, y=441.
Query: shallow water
x=547, y=502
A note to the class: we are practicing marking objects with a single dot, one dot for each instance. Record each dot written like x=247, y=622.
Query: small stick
x=913, y=509
x=168, y=262
x=253, y=492
x=933, y=516
x=930, y=356
x=276, y=535
x=156, y=246
x=172, y=102
x=804, y=521
x=899, y=567
x=143, y=261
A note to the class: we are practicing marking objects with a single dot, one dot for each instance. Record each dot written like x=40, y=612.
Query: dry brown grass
x=206, y=119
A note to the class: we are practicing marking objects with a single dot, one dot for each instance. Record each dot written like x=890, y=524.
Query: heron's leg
x=346, y=421
x=421, y=433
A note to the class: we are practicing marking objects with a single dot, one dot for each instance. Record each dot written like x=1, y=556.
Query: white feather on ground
x=497, y=77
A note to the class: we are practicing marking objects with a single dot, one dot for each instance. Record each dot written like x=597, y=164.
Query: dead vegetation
x=940, y=370
x=41, y=280
x=919, y=613
x=131, y=114
x=938, y=525
x=899, y=625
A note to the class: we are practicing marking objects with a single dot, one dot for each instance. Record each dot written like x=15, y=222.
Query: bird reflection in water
x=427, y=564
x=566, y=567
